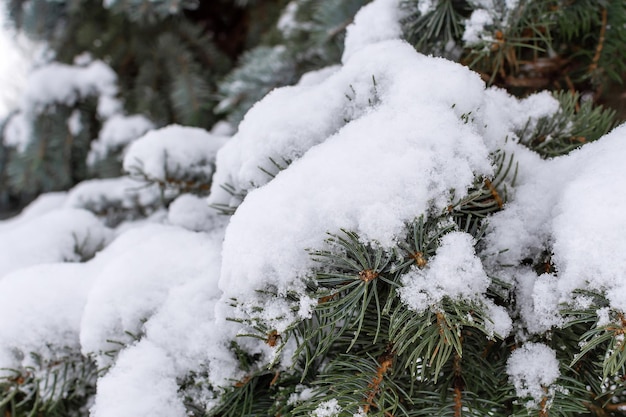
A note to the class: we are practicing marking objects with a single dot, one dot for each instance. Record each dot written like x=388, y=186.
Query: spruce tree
x=420, y=223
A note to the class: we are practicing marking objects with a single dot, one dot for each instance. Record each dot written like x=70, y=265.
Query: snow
x=488, y=16
x=117, y=132
x=328, y=408
x=17, y=131
x=425, y=6
x=538, y=301
x=533, y=369
x=43, y=204
x=48, y=300
x=58, y=236
x=368, y=146
x=454, y=272
x=174, y=154
x=415, y=135
x=375, y=22
x=71, y=83
x=193, y=213
x=573, y=190
x=74, y=124
x=288, y=23
x=594, y=204
x=475, y=27
x=137, y=368
x=312, y=78
x=129, y=289
x=117, y=198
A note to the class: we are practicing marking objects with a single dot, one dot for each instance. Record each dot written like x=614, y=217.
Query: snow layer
x=412, y=132
x=134, y=284
x=173, y=152
x=58, y=236
x=375, y=22
x=116, y=133
x=368, y=146
x=193, y=213
x=594, y=203
x=43, y=204
x=71, y=83
x=573, y=190
x=40, y=311
x=101, y=196
x=123, y=392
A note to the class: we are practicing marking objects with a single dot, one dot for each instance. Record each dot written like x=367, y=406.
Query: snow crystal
x=533, y=369
x=373, y=23
x=455, y=271
x=328, y=408
x=116, y=133
x=164, y=154
x=58, y=236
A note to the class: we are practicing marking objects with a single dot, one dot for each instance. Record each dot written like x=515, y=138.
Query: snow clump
x=533, y=369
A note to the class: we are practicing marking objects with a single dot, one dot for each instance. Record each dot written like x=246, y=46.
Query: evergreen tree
x=393, y=234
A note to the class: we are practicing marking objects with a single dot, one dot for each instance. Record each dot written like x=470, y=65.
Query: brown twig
x=385, y=364
x=596, y=57
x=494, y=193
x=458, y=386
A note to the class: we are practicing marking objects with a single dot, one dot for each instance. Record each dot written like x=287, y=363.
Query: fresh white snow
x=367, y=146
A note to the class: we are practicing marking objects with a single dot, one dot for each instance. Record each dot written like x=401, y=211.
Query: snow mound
x=130, y=288
x=183, y=157
x=48, y=300
x=141, y=366
x=117, y=133
x=58, y=236
x=533, y=369
x=409, y=146
x=115, y=199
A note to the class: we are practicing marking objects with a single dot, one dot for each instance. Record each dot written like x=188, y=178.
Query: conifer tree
x=393, y=234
